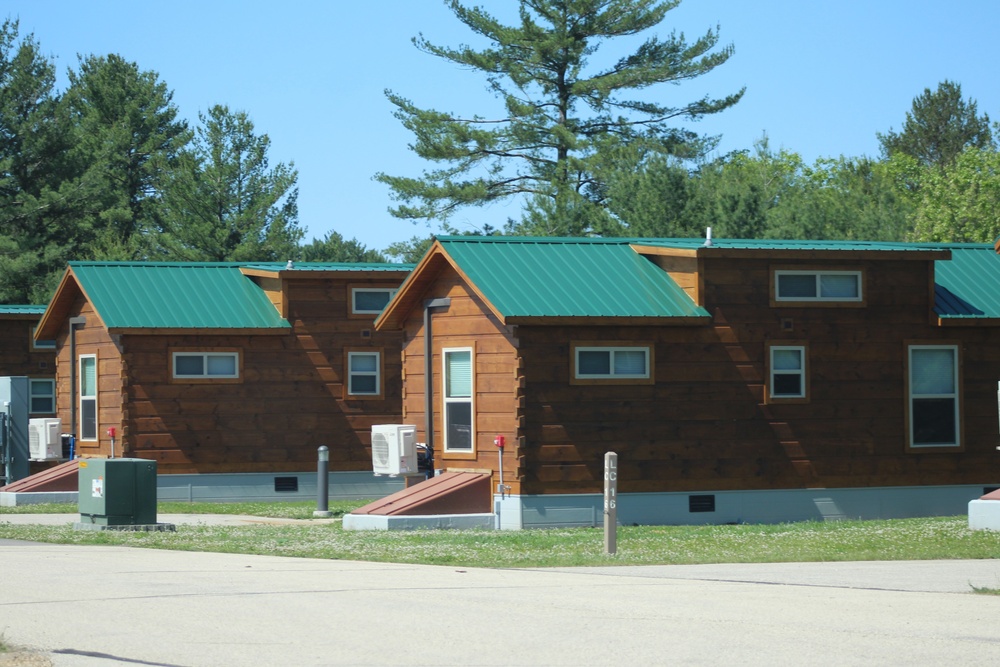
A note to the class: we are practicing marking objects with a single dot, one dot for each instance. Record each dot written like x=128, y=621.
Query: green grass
x=277, y=510
x=900, y=539
x=985, y=590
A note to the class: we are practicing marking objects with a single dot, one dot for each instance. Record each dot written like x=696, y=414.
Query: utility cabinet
x=117, y=492
x=14, y=439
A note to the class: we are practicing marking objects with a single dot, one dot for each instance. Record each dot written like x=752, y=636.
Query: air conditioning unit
x=394, y=449
x=45, y=439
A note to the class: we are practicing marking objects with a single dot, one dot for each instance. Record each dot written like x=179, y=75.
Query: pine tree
x=561, y=117
x=225, y=202
x=38, y=232
x=939, y=126
x=128, y=140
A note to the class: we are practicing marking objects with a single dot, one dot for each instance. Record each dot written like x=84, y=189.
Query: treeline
x=937, y=179
x=107, y=170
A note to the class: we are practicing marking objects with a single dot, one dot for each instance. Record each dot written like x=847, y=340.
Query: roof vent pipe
x=290, y=265
x=708, y=237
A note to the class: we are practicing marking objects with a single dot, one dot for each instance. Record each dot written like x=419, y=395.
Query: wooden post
x=610, y=503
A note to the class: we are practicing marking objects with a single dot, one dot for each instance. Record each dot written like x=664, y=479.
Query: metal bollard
x=323, y=483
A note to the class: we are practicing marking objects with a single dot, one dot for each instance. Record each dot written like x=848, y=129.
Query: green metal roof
x=560, y=277
x=22, y=310
x=373, y=267
x=175, y=295
x=968, y=285
x=780, y=244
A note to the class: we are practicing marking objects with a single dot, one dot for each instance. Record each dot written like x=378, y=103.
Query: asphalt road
x=101, y=606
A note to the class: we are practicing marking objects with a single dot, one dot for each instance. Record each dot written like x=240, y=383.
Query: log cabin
x=736, y=380
x=227, y=374
x=22, y=355
x=27, y=389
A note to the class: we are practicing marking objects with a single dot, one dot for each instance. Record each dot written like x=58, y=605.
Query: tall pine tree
x=128, y=140
x=38, y=234
x=561, y=117
x=225, y=202
x=939, y=126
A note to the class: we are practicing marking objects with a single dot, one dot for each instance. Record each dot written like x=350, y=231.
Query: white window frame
x=801, y=372
x=357, y=290
x=954, y=396
x=51, y=395
x=452, y=400
x=205, y=375
x=88, y=398
x=611, y=374
x=351, y=373
x=818, y=278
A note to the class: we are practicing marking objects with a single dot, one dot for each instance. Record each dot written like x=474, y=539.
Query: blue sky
x=822, y=77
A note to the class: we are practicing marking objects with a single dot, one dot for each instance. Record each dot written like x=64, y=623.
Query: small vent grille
x=701, y=503
x=380, y=449
x=286, y=484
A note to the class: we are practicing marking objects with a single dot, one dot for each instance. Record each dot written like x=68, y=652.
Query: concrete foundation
x=418, y=522
x=984, y=515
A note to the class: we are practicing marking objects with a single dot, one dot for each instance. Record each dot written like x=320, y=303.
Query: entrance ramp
x=449, y=500
x=58, y=484
x=447, y=493
x=63, y=477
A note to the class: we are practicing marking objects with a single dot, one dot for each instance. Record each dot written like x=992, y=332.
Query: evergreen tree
x=225, y=202
x=736, y=195
x=939, y=126
x=411, y=251
x=128, y=139
x=37, y=228
x=650, y=199
x=561, y=118
x=333, y=248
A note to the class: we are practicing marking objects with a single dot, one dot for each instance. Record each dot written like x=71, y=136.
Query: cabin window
x=206, y=365
x=611, y=363
x=787, y=372
x=458, y=383
x=42, y=396
x=88, y=397
x=934, y=399
x=364, y=373
x=370, y=300
x=829, y=286
x=41, y=344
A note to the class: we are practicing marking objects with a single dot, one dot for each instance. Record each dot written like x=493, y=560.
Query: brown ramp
x=447, y=493
x=63, y=477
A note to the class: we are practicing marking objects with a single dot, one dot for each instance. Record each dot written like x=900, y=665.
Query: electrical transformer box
x=117, y=492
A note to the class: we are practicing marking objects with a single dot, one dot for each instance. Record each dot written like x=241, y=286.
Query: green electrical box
x=117, y=492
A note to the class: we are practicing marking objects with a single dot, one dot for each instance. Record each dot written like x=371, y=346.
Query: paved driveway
x=106, y=606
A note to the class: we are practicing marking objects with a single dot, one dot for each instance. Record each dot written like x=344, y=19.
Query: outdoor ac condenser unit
x=394, y=449
x=45, y=439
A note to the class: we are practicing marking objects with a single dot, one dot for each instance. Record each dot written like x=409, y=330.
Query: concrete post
x=610, y=503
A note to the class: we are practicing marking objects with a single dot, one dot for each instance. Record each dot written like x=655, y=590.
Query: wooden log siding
x=466, y=323
x=704, y=424
x=92, y=339
x=18, y=356
x=286, y=407
x=288, y=401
